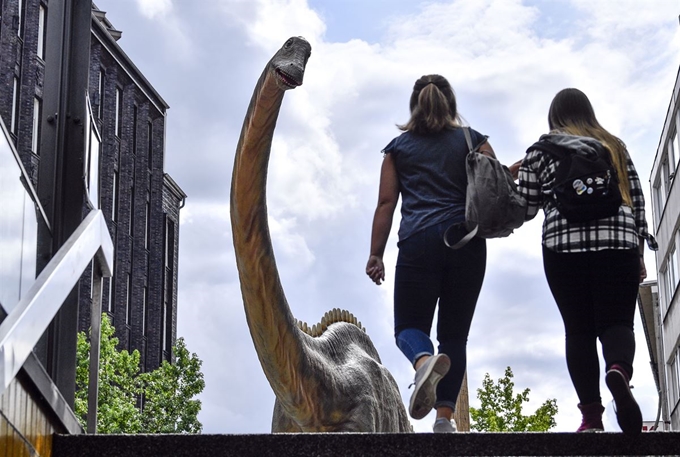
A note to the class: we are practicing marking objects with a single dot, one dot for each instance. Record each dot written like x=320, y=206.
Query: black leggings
x=596, y=294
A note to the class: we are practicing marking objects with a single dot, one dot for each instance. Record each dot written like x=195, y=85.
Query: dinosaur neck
x=277, y=340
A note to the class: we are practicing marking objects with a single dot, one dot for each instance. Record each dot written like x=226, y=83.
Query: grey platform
x=360, y=444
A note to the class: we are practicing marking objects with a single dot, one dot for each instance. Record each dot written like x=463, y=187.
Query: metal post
x=95, y=338
x=60, y=186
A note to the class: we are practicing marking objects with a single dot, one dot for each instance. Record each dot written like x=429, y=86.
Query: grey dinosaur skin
x=334, y=382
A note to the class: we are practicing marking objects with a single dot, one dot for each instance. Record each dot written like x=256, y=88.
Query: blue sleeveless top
x=432, y=177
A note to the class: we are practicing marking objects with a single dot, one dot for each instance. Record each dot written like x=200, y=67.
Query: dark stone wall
x=136, y=156
x=18, y=57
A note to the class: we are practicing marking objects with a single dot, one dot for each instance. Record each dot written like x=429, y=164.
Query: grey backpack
x=493, y=205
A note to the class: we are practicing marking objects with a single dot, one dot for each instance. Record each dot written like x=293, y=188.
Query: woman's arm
x=388, y=196
x=514, y=169
x=486, y=149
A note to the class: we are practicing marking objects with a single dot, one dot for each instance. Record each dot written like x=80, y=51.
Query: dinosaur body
x=332, y=381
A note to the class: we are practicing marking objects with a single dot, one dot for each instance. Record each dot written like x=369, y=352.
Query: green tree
x=160, y=401
x=501, y=409
x=169, y=406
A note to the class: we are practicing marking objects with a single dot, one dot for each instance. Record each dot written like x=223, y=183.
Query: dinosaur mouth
x=287, y=79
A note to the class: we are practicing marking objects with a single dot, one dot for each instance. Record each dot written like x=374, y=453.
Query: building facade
x=126, y=146
x=666, y=209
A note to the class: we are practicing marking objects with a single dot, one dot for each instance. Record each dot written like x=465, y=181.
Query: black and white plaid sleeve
x=529, y=183
x=638, y=200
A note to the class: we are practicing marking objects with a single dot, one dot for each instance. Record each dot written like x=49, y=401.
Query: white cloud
x=153, y=9
x=269, y=23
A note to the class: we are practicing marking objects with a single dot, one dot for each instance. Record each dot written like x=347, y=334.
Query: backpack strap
x=471, y=234
x=463, y=241
x=552, y=149
x=468, y=140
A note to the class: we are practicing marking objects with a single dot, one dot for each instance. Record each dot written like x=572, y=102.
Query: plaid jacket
x=622, y=231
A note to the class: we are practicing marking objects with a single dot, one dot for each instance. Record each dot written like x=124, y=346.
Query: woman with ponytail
x=593, y=268
x=426, y=166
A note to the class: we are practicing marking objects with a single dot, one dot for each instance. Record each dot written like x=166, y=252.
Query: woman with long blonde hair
x=594, y=267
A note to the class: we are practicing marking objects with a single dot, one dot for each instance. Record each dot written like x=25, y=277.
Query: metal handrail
x=26, y=323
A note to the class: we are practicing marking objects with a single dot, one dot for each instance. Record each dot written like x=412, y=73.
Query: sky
x=506, y=59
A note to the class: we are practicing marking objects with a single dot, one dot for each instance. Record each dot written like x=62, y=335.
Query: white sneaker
x=426, y=380
x=442, y=425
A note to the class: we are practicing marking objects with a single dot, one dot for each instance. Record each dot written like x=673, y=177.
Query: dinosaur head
x=288, y=64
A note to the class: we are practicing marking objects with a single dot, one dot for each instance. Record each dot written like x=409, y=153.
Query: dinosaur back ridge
x=331, y=317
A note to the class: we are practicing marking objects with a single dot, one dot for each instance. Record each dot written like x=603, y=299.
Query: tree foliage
x=501, y=409
x=159, y=401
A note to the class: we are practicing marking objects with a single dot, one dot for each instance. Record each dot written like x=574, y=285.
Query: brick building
x=126, y=138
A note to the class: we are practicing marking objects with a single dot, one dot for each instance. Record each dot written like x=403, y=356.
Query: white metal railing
x=29, y=302
x=28, y=320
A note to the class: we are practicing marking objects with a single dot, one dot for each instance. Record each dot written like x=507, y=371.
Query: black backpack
x=586, y=186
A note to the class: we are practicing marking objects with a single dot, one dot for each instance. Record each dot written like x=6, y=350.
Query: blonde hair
x=433, y=106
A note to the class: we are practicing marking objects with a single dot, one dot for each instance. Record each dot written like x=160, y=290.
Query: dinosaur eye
x=288, y=43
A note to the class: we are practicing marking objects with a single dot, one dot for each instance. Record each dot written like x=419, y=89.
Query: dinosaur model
x=328, y=378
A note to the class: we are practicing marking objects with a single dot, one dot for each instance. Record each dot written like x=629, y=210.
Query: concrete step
x=360, y=444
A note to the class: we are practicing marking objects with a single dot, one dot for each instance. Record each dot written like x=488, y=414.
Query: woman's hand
x=375, y=269
x=643, y=269
x=514, y=169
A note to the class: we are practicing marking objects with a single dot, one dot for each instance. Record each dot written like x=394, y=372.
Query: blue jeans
x=428, y=273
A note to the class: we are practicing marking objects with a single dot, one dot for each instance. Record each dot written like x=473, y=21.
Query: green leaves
x=169, y=406
x=501, y=409
x=160, y=401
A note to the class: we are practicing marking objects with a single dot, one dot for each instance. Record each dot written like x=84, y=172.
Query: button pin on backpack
x=579, y=187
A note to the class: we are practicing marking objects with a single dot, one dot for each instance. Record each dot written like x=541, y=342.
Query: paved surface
x=359, y=444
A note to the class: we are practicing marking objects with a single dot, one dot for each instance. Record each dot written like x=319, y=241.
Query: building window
x=664, y=298
x=676, y=147
x=37, y=115
x=673, y=381
x=131, y=226
x=676, y=374
x=150, y=149
x=109, y=298
x=93, y=158
x=114, y=197
x=100, y=89
x=20, y=17
x=119, y=112
x=15, y=106
x=41, y=32
x=134, y=129
x=169, y=242
x=147, y=226
x=672, y=151
x=145, y=298
x=128, y=301
x=659, y=200
x=672, y=274
x=666, y=175
x=164, y=330
x=669, y=274
x=168, y=284
x=132, y=208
